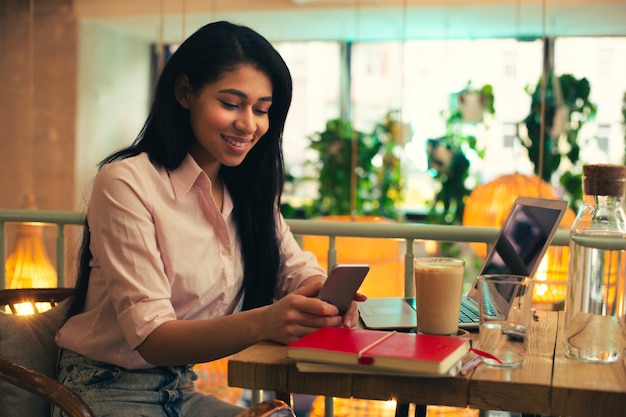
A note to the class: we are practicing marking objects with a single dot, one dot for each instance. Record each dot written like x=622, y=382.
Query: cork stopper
x=604, y=179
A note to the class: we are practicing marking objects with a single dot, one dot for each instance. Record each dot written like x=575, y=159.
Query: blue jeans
x=165, y=391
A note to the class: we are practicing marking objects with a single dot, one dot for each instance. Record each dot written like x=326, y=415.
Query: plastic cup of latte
x=438, y=291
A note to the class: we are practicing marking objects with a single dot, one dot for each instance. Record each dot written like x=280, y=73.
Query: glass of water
x=505, y=304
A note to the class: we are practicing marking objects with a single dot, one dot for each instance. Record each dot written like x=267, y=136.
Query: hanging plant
x=447, y=156
x=566, y=109
x=471, y=104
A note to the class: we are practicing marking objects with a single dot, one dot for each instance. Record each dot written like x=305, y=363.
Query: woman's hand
x=300, y=312
x=297, y=314
x=351, y=318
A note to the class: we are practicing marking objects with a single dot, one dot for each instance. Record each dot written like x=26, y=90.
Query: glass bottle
x=595, y=307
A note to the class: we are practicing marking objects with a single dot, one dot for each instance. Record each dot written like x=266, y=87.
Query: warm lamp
x=489, y=204
x=28, y=265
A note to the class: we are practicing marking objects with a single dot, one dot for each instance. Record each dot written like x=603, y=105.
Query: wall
x=90, y=96
x=37, y=131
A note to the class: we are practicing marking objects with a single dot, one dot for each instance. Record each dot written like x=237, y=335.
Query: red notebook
x=380, y=349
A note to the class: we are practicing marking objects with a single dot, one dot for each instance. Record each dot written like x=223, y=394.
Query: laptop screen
x=523, y=239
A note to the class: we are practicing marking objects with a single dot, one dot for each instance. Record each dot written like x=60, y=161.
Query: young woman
x=183, y=230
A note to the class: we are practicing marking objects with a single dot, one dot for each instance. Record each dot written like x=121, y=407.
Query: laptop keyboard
x=468, y=314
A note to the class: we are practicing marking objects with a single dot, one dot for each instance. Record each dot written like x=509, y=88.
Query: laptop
x=518, y=249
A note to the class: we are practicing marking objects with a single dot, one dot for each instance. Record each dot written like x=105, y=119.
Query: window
x=418, y=77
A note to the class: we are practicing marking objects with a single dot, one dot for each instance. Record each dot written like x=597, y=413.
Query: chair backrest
x=52, y=296
x=27, y=345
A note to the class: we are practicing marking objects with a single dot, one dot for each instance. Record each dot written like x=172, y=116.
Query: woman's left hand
x=351, y=318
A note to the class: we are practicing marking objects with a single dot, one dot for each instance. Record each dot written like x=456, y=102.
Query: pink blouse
x=162, y=250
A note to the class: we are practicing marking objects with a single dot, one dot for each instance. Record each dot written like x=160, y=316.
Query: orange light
x=28, y=307
x=348, y=407
x=213, y=380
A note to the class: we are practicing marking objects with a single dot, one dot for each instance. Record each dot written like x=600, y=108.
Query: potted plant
x=358, y=173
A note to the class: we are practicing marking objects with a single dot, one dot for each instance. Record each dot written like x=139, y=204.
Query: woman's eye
x=261, y=111
x=229, y=105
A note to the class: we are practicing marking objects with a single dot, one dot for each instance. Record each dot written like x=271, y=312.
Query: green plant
x=375, y=176
x=389, y=172
x=447, y=157
x=450, y=166
x=564, y=117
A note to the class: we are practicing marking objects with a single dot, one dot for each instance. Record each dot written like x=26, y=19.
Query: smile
x=237, y=143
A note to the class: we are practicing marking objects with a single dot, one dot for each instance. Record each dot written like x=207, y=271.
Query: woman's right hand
x=298, y=314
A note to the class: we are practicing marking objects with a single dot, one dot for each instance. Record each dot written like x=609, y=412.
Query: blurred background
x=79, y=73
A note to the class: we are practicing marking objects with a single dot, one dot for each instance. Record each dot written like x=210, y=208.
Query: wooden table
x=547, y=383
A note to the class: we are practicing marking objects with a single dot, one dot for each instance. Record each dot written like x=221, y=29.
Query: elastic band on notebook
x=374, y=344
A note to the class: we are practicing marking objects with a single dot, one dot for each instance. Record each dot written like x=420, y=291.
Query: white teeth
x=234, y=142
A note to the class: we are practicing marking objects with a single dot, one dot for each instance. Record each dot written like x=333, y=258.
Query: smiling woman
x=206, y=258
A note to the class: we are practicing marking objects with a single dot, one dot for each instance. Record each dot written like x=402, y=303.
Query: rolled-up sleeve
x=124, y=241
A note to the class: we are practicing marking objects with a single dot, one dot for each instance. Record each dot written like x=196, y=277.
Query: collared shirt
x=162, y=250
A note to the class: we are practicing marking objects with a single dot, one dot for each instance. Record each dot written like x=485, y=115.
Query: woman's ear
x=182, y=90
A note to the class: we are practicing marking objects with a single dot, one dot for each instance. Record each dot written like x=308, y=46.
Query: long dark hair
x=255, y=185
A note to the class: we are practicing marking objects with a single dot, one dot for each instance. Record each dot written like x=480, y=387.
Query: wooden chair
x=28, y=355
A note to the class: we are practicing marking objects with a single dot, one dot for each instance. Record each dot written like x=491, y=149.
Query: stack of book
x=340, y=349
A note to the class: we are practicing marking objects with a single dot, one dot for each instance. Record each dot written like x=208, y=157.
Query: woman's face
x=228, y=117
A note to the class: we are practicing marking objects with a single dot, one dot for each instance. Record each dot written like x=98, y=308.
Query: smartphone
x=342, y=284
